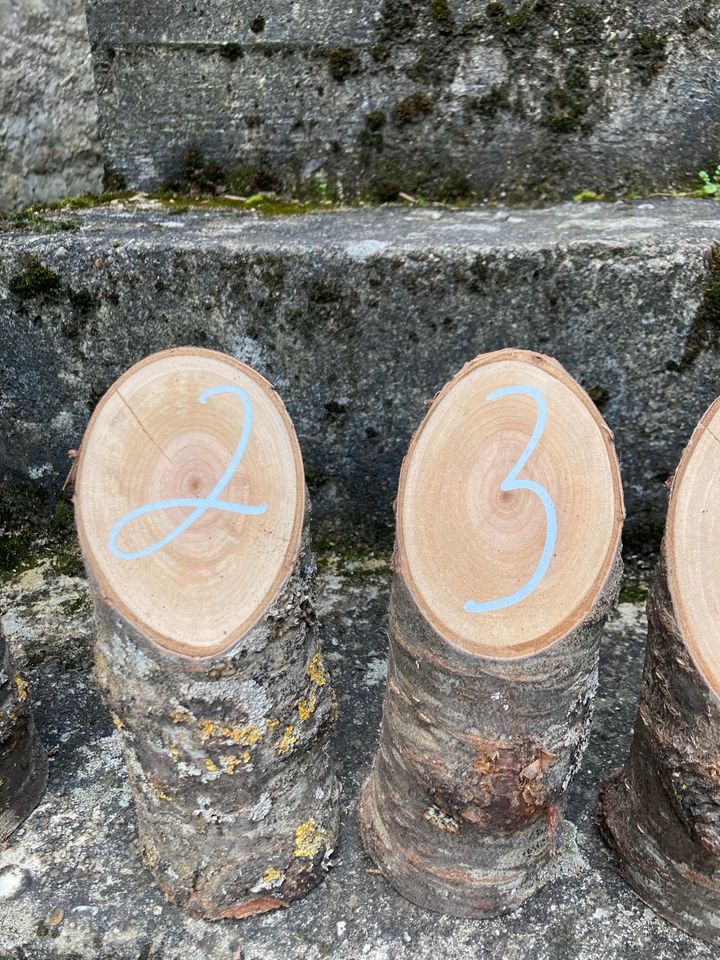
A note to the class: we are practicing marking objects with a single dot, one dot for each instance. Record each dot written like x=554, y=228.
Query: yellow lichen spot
x=208, y=729
x=306, y=708
x=270, y=876
x=287, y=740
x=117, y=722
x=179, y=716
x=273, y=724
x=245, y=757
x=309, y=839
x=160, y=793
x=231, y=762
x=246, y=736
x=152, y=857
x=22, y=687
x=2, y=782
x=316, y=670
x=175, y=752
x=211, y=765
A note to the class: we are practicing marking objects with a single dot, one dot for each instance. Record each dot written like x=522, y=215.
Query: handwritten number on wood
x=201, y=504
x=511, y=482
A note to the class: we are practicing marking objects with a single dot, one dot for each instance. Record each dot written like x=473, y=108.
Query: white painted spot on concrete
x=366, y=248
x=12, y=881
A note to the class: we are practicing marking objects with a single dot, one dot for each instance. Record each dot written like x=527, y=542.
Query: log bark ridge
x=236, y=795
x=23, y=760
x=660, y=814
x=464, y=805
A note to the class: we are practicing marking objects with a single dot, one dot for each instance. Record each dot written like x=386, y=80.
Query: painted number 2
x=201, y=504
x=511, y=482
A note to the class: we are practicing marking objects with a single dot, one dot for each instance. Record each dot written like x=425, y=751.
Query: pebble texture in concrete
x=49, y=146
x=438, y=97
x=72, y=883
x=358, y=318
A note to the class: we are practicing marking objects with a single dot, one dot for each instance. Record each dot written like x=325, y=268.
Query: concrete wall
x=358, y=318
x=48, y=116
x=438, y=98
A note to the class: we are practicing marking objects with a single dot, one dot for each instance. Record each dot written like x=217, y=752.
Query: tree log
x=23, y=760
x=661, y=813
x=207, y=648
x=491, y=685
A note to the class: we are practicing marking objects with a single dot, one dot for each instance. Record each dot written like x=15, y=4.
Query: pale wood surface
x=692, y=541
x=460, y=537
x=150, y=439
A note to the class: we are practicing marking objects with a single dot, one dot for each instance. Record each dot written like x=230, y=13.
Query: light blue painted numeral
x=201, y=504
x=511, y=482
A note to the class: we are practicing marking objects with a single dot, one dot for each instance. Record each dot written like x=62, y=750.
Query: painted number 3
x=511, y=482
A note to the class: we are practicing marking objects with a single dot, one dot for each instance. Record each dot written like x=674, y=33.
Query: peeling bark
x=463, y=808
x=23, y=761
x=660, y=814
x=236, y=795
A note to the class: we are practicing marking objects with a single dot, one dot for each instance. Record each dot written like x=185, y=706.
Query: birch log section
x=23, y=761
x=190, y=506
x=507, y=563
x=661, y=813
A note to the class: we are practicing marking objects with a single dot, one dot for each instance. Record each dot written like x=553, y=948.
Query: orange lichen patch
x=271, y=875
x=211, y=765
x=316, y=670
x=158, y=792
x=273, y=724
x=250, y=908
x=245, y=736
x=152, y=857
x=22, y=687
x=288, y=740
x=306, y=707
x=179, y=716
x=175, y=752
x=208, y=729
x=310, y=838
x=117, y=722
x=231, y=762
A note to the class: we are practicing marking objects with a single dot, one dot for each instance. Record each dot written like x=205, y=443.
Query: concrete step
x=358, y=318
x=438, y=97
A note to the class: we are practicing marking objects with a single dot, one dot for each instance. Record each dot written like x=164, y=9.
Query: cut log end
x=192, y=514
x=692, y=546
x=507, y=563
x=660, y=813
x=190, y=494
x=510, y=493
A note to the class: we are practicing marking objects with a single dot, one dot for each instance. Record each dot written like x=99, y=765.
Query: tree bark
x=660, y=814
x=464, y=805
x=23, y=760
x=236, y=796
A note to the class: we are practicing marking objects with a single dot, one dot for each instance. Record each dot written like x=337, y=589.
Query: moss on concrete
x=342, y=63
x=36, y=280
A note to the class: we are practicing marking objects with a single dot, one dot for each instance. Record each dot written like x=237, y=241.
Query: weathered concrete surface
x=358, y=317
x=72, y=883
x=438, y=97
x=49, y=146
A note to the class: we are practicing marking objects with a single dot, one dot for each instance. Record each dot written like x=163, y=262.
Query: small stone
x=406, y=937
x=99, y=262
x=340, y=929
x=56, y=917
x=13, y=880
x=157, y=911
